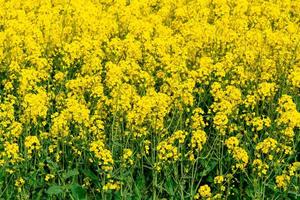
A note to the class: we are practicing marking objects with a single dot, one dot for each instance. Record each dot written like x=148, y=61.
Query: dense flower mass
x=149, y=99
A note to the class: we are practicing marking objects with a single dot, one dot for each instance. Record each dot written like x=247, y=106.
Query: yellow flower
x=127, y=157
x=32, y=143
x=260, y=167
x=219, y=179
x=288, y=114
x=241, y=156
x=35, y=106
x=197, y=119
x=147, y=144
x=103, y=155
x=266, y=145
x=204, y=191
x=266, y=90
x=11, y=151
x=294, y=168
x=282, y=181
x=198, y=140
x=220, y=119
x=19, y=182
x=294, y=77
x=49, y=176
x=232, y=142
x=167, y=152
x=112, y=186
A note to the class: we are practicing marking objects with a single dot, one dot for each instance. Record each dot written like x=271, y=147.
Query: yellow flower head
x=204, y=191
x=219, y=179
x=32, y=143
x=282, y=181
x=19, y=182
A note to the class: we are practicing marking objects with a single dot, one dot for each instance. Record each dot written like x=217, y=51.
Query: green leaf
x=139, y=185
x=90, y=174
x=210, y=179
x=78, y=192
x=117, y=196
x=54, y=190
x=208, y=168
x=250, y=192
x=170, y=186
x=71, y=173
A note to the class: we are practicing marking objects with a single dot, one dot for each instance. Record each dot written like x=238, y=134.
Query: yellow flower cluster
x=49, y=177
x=259, y=123
x=151, y=93
x=266, y=90
x=167, y=151
x=127, y=157
x=197, y=119
x=239, y=154
x=219, y=179
x=204, y=191
x=266, y=146
x=289, y=117
x=20, y=182
x=260, y=167
x=294, y=77
x=225, y=103
x=150, y=109
x=11, y=152
x=35, y=106
x=282, y=181
x=32, y=143
x=103, y=155
x=232, y=142
x=198, y=140
x=111, y=185
x=294, y=169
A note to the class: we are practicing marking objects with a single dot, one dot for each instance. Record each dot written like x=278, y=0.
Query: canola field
x=150, y=99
